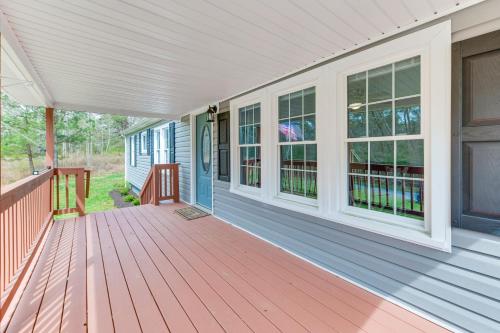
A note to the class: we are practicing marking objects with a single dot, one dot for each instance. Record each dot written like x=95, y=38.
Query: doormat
x=191, y=213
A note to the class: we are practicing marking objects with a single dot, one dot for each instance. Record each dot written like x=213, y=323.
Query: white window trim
x=434, y=46
x=132, y=155
x=249, y=191
x=312, y=81
x=163, y=149
x=247, y=188
x=143, y=139
x=424, y=129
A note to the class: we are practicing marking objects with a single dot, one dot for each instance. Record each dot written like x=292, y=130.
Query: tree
x=23, y=131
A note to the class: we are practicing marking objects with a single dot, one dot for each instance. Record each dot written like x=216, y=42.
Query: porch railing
x=409, y=192
x=162, y=183
x=27, y=208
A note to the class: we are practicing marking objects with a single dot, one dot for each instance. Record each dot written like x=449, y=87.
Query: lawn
x=99, y=199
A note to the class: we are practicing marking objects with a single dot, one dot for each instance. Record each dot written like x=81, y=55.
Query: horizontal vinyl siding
x=137, y=175
x=183, y=157
x=461, y=287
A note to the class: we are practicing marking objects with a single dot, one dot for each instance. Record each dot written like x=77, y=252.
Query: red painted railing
x=410, y=192
x=162, y=183
x=27, y=208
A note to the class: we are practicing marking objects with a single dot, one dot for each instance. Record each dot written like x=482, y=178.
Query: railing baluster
x=57, y=191
x=66, y=189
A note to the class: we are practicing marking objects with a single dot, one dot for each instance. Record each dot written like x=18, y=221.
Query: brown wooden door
x=476, y=133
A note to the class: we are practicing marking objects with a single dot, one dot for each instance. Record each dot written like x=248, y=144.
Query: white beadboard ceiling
x=164, y=58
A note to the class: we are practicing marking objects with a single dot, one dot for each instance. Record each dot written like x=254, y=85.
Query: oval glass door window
x=205, y=148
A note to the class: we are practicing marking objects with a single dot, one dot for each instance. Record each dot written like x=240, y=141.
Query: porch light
x=36, y=172
x=355, y=106
x=212, y=110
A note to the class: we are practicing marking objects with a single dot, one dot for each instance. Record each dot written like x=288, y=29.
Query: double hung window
x=385, y=141
x=249, y=145
x=297, y=143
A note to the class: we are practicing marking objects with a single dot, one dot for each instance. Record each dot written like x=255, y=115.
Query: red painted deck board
x=145, y=269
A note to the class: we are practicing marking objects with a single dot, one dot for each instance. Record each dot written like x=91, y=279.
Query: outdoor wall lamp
x=212, y=110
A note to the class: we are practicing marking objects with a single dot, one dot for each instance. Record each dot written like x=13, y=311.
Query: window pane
x=407, y=77
x=256, y=177
x=380, y=119
x=242, y=134
x=410, y=158
x=311, y=158
x=243, y=156
x=256, y=135
x=298, y=157
x=356, y=89
x=250, y=133
x=251, y=156
x=296, y=104
x=242, y=116
x=243, y=175
x=311, y=185
x=356, y=122
x=382, y=194
x=257, y=156
x=358, y=157
x=408, y=116
x=298, y=182
x=284, y=130
x=358, y=191
x=410, y=198
x=256, y=114
x=251, y=181
x=382, y=158
x=286, y=156
x=380, y=84
x=296, y=129
x=283, y=106
x=285, y=185
x=310, y=128
x=310, y=100
x=249, y=113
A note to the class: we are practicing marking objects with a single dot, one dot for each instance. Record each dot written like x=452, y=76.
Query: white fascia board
x=104, y=110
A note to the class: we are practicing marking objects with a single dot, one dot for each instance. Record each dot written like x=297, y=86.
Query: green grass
x=99, y=199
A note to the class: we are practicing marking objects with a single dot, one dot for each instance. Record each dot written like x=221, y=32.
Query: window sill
x=413, y=234
x=404, y=233
x=247, y=191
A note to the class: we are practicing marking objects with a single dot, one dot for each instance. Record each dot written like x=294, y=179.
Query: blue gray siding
x=461, y=287
x=183, y=157
x=137, y=175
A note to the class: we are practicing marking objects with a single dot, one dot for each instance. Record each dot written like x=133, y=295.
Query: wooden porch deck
x=146, y=269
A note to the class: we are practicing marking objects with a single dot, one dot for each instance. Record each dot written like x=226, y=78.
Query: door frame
x=192, y=121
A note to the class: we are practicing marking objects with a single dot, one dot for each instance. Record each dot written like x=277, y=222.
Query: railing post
x=156, y=185
x=49, y=137
x=175, y=169
x=80, y=191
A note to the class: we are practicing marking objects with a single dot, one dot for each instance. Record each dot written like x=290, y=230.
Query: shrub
x=129, y=198
x=136, y=202
x=123, y=190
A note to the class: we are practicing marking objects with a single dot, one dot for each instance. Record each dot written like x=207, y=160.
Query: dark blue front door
x=203, y=161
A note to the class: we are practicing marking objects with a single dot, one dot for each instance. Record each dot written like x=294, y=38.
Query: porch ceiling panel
x=164, y=58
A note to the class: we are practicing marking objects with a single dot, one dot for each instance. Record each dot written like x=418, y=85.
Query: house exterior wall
x=137, y=175
x=183, y=157
x=460, y=288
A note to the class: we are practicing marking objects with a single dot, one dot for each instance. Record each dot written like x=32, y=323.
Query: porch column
x=49, y=137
